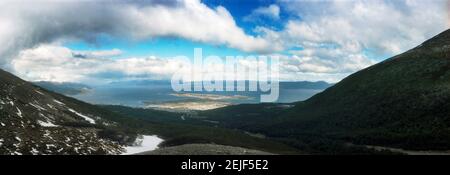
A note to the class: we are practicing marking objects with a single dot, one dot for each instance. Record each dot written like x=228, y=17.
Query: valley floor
x=204, y=149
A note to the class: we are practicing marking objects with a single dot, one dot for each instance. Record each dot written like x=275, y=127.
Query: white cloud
x=26, y=24
x=272, y=11
x=334, y=36
x=333, y=39
x=98, y=53
x=58, y=64
x=386, y=27
x=324, y=61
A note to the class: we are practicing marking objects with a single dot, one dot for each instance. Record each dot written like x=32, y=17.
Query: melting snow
x=46, y=124
x=38, y=107
x=143, y=143
x=19, y=113
x=90, y=120
x=38, y=92
x=34, y=151
x=50, y=106
x=47, y=133
x=60, y=103
x=50, y=146
x=16, y=145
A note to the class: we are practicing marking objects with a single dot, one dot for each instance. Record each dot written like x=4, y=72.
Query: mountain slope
x=35, y=121
x=401, y=102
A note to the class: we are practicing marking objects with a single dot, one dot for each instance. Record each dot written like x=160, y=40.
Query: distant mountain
x=140, y=83
x=283, y=84
x=36, y=121
x=402, y=102
x=305, y=85
x=65, y=88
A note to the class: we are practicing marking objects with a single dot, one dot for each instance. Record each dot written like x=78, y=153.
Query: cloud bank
x=25, y=24
x=272, y=11
x=384, y=26
x=319, y=40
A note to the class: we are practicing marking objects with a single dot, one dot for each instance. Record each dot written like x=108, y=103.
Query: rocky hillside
x=35, y=121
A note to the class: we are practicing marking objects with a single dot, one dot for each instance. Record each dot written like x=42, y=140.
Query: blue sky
x=316, y=40
x=167, y=47
x=161, y=47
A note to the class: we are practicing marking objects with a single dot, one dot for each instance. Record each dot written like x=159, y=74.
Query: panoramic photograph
x=225, y=77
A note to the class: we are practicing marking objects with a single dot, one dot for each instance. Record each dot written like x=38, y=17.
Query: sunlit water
x=158, y=95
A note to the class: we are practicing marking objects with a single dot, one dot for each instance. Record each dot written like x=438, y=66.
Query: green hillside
x=401, y=102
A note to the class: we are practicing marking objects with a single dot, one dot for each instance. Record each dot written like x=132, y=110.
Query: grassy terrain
x=402, y=102
x=204, y=149
x=175, y=131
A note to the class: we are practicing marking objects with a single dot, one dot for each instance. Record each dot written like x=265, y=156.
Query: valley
x=400, y=105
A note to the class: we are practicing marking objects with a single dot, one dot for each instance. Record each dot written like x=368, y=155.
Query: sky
x=103, y=41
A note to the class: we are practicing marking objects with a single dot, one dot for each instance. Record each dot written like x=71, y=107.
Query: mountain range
x=65, y=88
x=402, y=102
x=36, y=121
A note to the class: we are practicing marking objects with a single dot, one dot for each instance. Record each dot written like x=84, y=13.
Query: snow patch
x=34, y=151
x=46, y=118
x=38, y=107
x=39, y=92
x=90, y=120
x=143, y=143
x=19, y=113
x=50, y=146
x=60, y=103
x=51, y=106
x=46, y=124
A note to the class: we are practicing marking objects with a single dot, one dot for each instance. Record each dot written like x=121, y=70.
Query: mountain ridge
x=36, y=121
x=401, y=102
